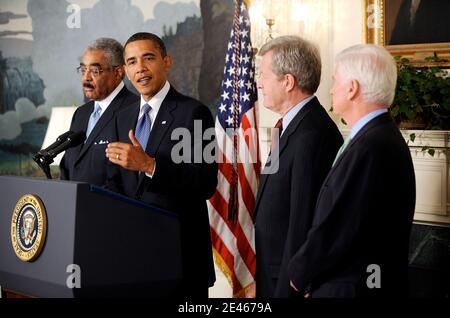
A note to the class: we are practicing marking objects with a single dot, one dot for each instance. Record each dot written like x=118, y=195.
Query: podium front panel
x=121, y=247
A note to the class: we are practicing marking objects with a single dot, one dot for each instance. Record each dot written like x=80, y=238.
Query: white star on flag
x=225, y=95
x=228, y=83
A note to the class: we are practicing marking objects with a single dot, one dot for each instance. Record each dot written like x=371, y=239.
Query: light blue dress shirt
x=363, y=121
x=294, y=111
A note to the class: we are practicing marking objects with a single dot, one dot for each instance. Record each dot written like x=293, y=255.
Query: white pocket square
x=101, y=142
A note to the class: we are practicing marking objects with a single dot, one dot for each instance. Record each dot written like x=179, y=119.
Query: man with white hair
x=358, y=243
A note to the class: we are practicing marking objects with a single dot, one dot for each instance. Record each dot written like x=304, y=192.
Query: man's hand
x=131, y=157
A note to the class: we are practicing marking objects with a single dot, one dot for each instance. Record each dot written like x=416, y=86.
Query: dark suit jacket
x=286, y=199
x=182, y=188
x=363, y=216
x=87, y=162
x=430, y=24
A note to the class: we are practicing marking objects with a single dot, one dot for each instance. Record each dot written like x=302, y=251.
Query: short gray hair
x=298, y=57
x=112, y=48
x=373, y=67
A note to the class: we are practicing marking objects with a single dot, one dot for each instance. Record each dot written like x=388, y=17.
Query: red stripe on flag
x=247, y=125
x=257, y=164
x=247, y=192
x=243, y=245
x=225, y=168
x=227, y=257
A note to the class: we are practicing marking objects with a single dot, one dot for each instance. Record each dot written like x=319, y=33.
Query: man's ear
x=126, y=72
x=167, y=62
x=289, y=82
x=120, y=71
x=353, y=89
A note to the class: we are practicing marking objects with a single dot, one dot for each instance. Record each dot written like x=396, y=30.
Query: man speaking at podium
x=101, y=71
x=143, y=164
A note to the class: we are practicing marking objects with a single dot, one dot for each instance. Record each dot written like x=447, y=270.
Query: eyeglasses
x=94, y=70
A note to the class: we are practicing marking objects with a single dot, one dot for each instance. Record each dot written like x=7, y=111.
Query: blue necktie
x=143, y=127
x=95, y=115
x=341, y=150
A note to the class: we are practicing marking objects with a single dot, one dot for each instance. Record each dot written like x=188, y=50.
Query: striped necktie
x=143, y=127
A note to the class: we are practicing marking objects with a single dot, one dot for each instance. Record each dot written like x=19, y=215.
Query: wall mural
x=41, y=42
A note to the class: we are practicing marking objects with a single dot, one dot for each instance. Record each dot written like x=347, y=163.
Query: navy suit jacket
x=87, y=162
x=286, y=199
x=179, y=187
x=363, y=216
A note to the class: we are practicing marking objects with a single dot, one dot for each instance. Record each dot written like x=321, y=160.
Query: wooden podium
x=97, y=243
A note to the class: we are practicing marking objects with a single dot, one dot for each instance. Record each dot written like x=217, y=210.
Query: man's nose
x=87, y=76
x=259, y=84
x=141, y=65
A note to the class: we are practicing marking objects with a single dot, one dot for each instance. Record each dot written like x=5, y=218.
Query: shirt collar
x=156, y=101
x=104, y=103
x=294, y=111
x=364, y=120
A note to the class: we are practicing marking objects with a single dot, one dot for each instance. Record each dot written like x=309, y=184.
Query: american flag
x=231, y=208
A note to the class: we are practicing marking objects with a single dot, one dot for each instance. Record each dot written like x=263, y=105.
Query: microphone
x=58, y=141
x=72, y=141
x=45, y=156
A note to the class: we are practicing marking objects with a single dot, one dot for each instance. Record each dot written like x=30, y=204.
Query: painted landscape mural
x=41, y=42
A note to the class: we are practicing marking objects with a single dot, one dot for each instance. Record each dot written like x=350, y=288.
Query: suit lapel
x=126, y=121
x=373, y=123
x=106, y=117
x=85, y=120
x=283, y=143
x=162, y=123
x=295, y=122
x=130, y=121
x=83, y=126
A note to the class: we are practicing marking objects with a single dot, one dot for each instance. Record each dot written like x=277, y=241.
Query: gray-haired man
x=290, y=73
x=101, y=70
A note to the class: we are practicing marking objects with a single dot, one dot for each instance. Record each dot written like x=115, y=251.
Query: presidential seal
x=28, y=227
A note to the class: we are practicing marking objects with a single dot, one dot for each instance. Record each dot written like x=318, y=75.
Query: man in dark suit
x=150, y=169
x=421, y=21
x=358, y=243
x=288, y=189
x=101, y=71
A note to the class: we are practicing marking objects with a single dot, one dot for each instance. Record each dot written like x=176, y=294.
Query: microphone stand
x=44, y=161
